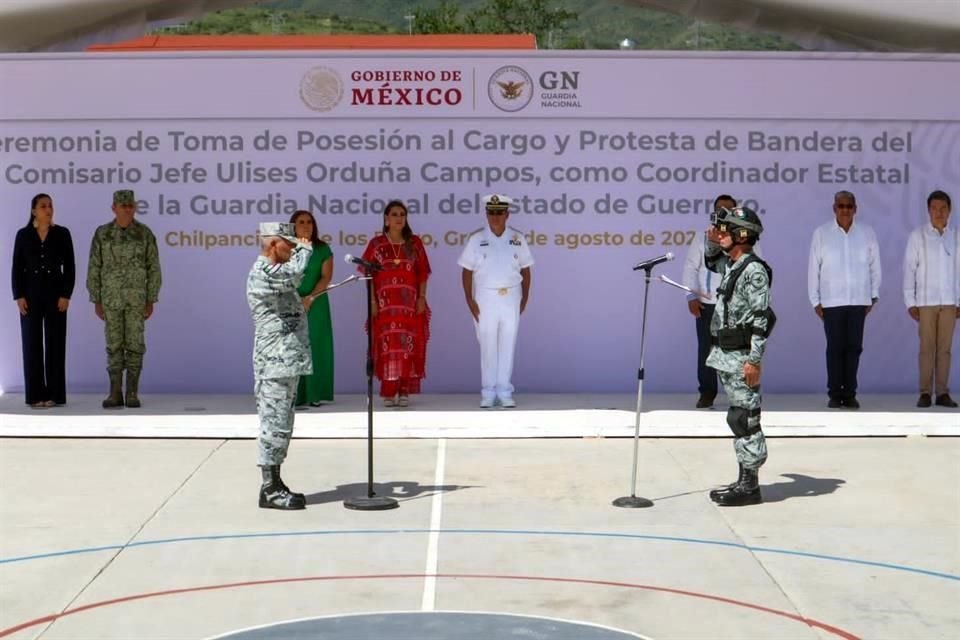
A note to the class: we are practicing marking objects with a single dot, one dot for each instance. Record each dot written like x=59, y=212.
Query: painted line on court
x=362, y=614
x=429, y=599
x=836, y=631
x=486, y=532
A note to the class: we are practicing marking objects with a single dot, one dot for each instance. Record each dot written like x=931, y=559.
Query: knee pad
x=743, y=422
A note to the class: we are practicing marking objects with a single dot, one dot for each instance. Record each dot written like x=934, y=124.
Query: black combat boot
x=747, y=491
x=115, y=399
x=274, y=494
x=716, y=492
x=133, y=385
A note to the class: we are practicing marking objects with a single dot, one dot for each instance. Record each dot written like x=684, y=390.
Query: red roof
x=337, y=41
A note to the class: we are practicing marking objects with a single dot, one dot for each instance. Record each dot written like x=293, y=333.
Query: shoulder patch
x=756, y=276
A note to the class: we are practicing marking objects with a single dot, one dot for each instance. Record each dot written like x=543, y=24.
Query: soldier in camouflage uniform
x=741, y=323
x=281, y=352
x=123, y=278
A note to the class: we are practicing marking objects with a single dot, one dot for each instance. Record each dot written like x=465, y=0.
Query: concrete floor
x=141, y=538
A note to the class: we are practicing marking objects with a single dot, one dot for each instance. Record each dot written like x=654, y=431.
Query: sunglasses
x=845, y=206
x=496, y=213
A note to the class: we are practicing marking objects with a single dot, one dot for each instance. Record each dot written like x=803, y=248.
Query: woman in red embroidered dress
x=401, y=317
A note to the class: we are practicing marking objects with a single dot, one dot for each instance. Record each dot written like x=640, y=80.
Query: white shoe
x=486, y=403
x=507, y=402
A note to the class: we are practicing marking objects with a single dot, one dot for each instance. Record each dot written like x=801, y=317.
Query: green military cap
x=285, y=230
x=124, y=196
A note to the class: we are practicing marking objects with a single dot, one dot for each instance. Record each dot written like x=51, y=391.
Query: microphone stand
x=633, y=501
x=371, y=501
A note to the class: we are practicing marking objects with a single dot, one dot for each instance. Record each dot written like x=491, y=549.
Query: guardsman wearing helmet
x=741, y=323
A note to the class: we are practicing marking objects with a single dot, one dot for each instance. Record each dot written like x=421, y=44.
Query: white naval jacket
x=496, y=262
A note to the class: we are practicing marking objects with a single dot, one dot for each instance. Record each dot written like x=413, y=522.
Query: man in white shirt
x=702, y=300
x=843, y=283
x=496, y=283
x=931, y=291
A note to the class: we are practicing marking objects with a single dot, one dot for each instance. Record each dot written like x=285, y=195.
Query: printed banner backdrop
x=612, y=158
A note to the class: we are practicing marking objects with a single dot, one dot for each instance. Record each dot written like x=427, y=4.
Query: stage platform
x=459, y=416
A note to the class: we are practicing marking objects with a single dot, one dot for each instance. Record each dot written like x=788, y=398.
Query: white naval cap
x=497, y=202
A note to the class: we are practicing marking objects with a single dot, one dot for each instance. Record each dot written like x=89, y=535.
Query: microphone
x=651, y=263
x=366, y=264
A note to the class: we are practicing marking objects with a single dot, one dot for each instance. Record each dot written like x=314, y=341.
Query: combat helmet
x=741, y=223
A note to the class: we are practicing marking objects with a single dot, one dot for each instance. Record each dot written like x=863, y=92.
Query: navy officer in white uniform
x=496, y=282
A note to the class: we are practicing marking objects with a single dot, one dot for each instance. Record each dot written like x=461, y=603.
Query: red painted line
x=840, y=633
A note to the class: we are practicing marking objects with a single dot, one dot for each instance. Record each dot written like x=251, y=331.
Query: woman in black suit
x=43, y=279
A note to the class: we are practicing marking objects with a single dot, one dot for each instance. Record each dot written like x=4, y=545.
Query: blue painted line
x=526, y=532
x=55, y=554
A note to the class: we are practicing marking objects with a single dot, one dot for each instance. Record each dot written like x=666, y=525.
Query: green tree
x=444, y=18
x=496, y=16
x=266, y=22
x=519, y=16
x=568, y=24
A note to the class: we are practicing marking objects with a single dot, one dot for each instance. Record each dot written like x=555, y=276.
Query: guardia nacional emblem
x=510, y=88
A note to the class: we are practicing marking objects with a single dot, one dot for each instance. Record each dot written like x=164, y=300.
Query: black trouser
x=844, y=329
x=706, y=376
x=43, y=332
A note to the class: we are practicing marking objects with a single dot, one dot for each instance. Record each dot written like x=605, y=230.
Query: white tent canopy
x=884, y=25
x=871, y=25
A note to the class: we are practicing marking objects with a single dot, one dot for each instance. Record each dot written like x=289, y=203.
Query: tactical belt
x=735, y=339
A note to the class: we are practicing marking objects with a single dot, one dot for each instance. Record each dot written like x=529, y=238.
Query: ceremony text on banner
x=611, y=159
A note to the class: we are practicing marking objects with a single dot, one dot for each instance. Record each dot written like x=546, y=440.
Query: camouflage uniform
x=746, y=307
x=281, y=348
x=741, y=322
x=124, y=276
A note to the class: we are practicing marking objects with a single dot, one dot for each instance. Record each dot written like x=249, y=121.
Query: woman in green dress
x=317, y=387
